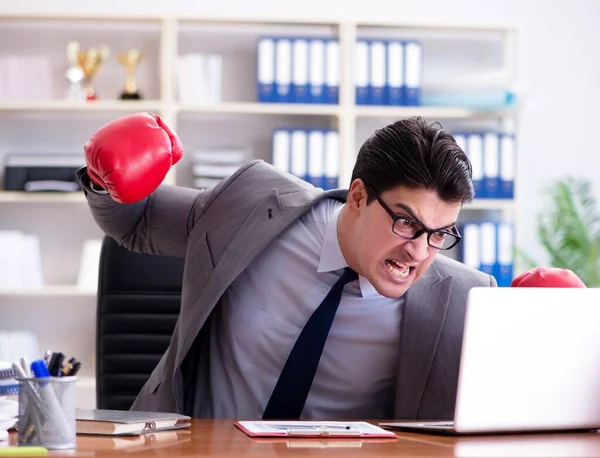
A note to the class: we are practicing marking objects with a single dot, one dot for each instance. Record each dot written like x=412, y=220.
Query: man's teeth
x=397, y=269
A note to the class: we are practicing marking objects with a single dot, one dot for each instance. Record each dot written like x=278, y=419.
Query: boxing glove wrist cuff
x=97, y=189
x=87, y=184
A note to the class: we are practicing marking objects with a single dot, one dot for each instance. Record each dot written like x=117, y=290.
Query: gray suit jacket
x=222, y=230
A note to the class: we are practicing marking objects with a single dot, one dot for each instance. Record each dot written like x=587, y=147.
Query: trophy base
x=130, y=96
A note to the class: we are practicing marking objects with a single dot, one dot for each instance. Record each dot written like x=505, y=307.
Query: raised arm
x=126, y=162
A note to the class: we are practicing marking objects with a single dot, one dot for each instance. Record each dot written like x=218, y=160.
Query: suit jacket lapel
x=423, y=318
x=270, y=217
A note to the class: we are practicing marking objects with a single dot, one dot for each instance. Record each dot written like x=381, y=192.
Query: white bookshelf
x=74, y=107
x=258, y=109
x=56, y=291
x=41, y=197
x=63, y=220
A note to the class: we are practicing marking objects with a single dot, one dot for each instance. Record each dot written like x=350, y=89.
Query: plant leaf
x=570, y=230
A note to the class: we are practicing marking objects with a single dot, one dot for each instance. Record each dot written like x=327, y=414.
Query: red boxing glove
x=548, y=277
x=130, y=156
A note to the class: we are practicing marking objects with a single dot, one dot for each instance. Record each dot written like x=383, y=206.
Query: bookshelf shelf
x=22, y=197
x=237, y=121
x=429, y=112
x=260, y=108
x=50, y=291
x=491, y=204
x=75, y=107
x=335, y=110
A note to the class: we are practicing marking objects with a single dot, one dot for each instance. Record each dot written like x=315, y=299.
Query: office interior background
x=543, y=54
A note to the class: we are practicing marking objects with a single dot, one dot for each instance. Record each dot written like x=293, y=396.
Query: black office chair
x=139, y=297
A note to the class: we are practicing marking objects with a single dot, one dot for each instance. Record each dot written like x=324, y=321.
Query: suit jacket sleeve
x=158, y=224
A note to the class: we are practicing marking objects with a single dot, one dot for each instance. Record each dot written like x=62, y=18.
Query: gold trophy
x=89, y=61
x=75, y=76
x=130, y=61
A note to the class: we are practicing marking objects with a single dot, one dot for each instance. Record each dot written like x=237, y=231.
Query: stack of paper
x=328, y=429
x=212, y=165
x=18, y=343
x=26, y=78
x=9, y=408
x=20, y=260
x=199, y=78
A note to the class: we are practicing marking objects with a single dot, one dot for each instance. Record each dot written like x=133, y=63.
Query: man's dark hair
x=415, y=154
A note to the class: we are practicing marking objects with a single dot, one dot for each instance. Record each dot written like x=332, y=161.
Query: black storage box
x=42, y=172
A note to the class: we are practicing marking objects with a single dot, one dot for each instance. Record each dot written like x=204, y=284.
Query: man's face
x=390, y=263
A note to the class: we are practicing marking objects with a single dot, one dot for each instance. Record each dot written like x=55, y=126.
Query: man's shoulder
x=462, y=273
x=263, y=173
x=263, y=178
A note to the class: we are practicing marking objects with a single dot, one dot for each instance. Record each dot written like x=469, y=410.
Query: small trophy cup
x=89, y=62
x=130, y=61
x=75, y=75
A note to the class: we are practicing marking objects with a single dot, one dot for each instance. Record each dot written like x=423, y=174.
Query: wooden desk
x=219, y=438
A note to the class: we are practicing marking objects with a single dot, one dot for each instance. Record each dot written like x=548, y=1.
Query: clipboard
x=313, y=429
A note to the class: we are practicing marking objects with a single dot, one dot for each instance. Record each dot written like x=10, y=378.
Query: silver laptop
x=530, y=362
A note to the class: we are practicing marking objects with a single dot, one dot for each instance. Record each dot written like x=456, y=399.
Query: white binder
x=281, y=150
x=471, y=255
x=507, y=166
x=395, y=73
x=488, y=247
x=377, y=72
x=413, y=72
x=332, y=71
x=266, y=69
x=316, y=158
x=332, y=159
x=300, y=70
x=506, y=254
x=283, y=70
x=317, y=71
x=491, y=161
x=475, y=154
x=299, y=162
x=361, y=71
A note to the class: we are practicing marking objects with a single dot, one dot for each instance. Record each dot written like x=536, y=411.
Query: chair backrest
x=139, y=297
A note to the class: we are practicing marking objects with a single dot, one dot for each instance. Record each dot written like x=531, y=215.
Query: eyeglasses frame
x=425, y=230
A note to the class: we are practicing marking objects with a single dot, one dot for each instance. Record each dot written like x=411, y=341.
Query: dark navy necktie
x=292, y=388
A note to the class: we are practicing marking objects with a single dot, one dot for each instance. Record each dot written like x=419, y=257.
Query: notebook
x=530, y=362
x=9, y=409
x=327, y=429
x=8, y=384
x=125, y=422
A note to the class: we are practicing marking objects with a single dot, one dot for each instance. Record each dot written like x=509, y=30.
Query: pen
x=322, y=431
x=47, y=356
x=25, y=366
x=300, y=426
x=71, y=367
x=76, y=366
x=35, y=407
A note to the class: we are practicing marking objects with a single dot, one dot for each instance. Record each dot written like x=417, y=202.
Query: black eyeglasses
x=410, y=229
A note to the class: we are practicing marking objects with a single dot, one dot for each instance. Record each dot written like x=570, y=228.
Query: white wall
x=559, y=68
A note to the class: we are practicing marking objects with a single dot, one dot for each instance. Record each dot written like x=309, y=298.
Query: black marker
x=71, y=368
x=55, y=364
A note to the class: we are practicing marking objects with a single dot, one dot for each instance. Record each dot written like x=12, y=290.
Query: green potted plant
x=569, y=230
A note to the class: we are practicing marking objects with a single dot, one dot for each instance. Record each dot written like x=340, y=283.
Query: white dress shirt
x=262, y=313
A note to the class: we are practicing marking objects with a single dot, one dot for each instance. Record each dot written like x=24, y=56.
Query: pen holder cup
x=47, y=412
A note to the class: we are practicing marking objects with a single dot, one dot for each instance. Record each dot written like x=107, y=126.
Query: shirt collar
x=332, y=257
